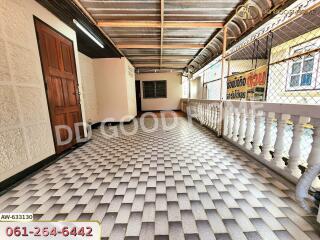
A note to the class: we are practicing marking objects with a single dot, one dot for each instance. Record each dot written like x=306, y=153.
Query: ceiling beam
x=162, y=30
x=156, y=46
x=155, y=24
x=148, y=70
x=194, y=24
x=182, y=57
x=135, y=10
x=157, y=66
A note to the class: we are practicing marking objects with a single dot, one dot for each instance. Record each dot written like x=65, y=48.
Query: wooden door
x=60, y=76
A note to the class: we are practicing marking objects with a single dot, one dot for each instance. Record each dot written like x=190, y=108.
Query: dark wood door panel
x=62, y=120
x=61, y=110
x=51, y=43
x=66, y=58
x=56, y=94
x=58, y=64
x=72, y=93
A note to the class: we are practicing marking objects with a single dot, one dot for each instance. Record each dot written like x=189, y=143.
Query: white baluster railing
x=250, y=125
x=295, y=151
x=236, y=124
x=206, y=112
x=282, y=149
x=314, y=156
x=267, y=141
x=242, y=127
x=257, y=136
x=282, y=121
x=250, y=129
x=274, y=134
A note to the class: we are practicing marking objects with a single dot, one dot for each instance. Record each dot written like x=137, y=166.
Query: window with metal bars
x=302, y=73
x=155, y=89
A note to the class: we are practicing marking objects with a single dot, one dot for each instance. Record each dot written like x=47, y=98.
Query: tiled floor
x=179, y=184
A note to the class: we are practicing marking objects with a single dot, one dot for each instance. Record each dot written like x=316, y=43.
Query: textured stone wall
x=25, y=132
x=89, y=88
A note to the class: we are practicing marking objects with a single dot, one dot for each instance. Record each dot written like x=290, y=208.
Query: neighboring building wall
x=213, y=90
x=212, y=74
x=115, y=89
x=278, y=74
x=89, y=88
x=25, y=131
x=174, y=91
x=197, y=90
x=240, y=66
x=185, y=87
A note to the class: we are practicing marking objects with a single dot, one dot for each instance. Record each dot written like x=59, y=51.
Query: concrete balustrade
x=271, y=133
x=207, y=112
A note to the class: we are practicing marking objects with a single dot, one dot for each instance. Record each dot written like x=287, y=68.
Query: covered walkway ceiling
x=170, y=35
x=160, y=34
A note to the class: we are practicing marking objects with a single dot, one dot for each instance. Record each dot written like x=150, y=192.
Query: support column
x=224, y=50
x=280, y=141
x=189, y=82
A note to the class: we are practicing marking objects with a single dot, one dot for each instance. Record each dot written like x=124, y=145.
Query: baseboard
x=16, y=179
x=98, y=124
x=158, y=111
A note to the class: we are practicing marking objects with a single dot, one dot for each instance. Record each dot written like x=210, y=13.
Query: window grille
x=155, y=89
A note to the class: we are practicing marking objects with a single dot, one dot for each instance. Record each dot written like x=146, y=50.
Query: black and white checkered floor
x=179, y=184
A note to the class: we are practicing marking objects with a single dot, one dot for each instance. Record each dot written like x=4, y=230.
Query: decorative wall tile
x=8, y=107
x=12, y=149
x=4, y=66
x=24, y=64
x=33, y=105
x=17, y=22
x=40, y=141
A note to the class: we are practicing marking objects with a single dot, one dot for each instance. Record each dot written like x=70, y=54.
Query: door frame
x=38, y=20
x=138, y=99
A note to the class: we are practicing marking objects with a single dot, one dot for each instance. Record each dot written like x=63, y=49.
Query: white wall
x=25, y=132
x=89, y=88
x=174, y=91
x=115, y=89
x=131, y=88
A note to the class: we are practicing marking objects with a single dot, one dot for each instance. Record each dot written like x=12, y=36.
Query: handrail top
x=201, y=100
x=292, y=109
x=305, y=110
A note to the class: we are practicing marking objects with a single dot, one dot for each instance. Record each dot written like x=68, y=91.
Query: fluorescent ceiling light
x=87, y=33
